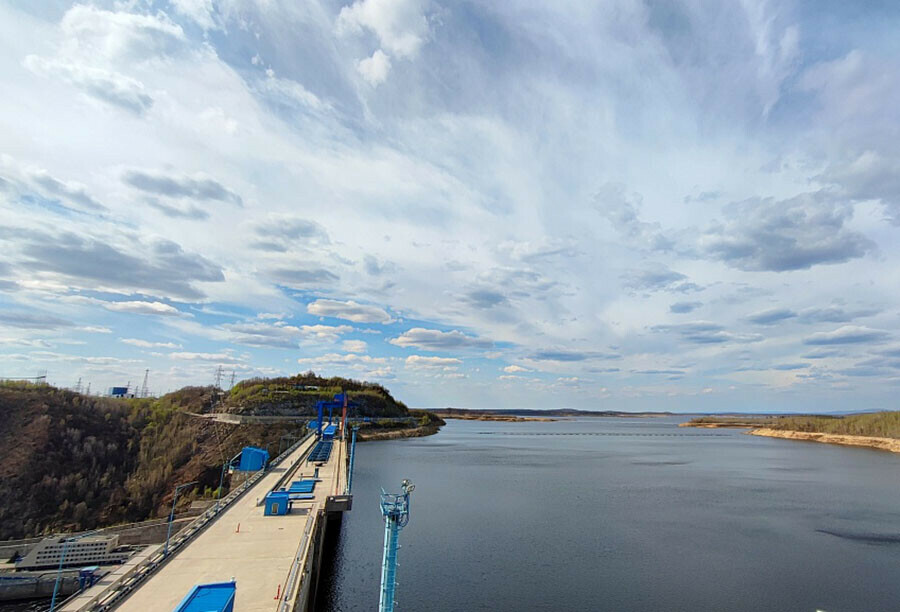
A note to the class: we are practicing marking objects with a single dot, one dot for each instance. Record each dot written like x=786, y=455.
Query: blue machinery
x=395, y=510
x=214, y=597
x=339, y=401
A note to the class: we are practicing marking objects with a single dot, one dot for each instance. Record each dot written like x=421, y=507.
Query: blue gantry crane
x=395, y=510
x=340, y=401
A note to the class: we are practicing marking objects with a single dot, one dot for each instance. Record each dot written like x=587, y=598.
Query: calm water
x=712, y=520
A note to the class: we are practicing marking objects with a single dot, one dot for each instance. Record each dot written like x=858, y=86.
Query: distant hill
x=297, y=395
x=73, y=462
x=550, y=412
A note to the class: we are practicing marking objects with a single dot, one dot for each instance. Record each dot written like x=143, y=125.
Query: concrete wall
x=11, y=547
x=146, y=532
x=310, y=590
x=33, y=588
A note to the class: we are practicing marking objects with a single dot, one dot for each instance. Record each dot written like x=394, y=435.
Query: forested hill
x=299, y=394
x=73, y=462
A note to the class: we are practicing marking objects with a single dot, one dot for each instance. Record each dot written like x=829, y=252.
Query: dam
x=266, y=538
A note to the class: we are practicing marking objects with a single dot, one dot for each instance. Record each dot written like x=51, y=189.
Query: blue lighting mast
x=395, y=510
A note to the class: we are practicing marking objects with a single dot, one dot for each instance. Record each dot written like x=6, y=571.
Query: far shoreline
x=891, y=445
x=761, y=428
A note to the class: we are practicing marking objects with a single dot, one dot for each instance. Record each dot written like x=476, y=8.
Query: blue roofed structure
x=214, y=597
x=277, y=503
x=253, y=459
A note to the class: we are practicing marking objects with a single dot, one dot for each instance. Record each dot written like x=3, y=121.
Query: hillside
x=87, y=462
x=297, y=395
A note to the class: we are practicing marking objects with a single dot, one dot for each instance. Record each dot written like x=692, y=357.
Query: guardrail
x=288, y=474
x=298, y=567
x=116, y=592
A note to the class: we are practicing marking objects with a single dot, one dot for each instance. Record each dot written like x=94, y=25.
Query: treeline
x=877, y=424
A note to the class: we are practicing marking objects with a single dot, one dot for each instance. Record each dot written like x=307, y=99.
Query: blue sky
x=636, y=205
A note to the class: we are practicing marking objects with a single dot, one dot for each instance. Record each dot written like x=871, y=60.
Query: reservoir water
x=639, y=515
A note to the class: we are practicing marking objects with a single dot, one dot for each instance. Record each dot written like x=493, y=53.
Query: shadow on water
x=868, y=538
x=329, y=582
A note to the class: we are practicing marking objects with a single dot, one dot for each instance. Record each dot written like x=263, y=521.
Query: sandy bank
x=719, y=425
x=888, y=444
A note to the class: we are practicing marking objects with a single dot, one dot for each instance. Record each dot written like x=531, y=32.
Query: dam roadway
x=273, y=559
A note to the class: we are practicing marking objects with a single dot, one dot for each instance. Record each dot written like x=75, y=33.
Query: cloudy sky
x=657, y=204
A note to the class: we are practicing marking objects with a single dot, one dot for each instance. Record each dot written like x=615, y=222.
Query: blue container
x=214, y=597
x=253, y=459
x=277, y=503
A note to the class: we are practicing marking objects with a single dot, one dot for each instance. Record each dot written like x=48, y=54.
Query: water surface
x=639, y=516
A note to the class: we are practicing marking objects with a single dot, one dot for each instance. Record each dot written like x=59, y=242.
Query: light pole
x=172, y=514
x=62, y=560
x=395, y=510
x=350, y=467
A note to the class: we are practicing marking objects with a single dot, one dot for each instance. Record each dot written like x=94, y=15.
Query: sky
x=678, y=205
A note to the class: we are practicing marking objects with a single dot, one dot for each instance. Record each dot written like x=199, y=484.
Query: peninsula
x=879, y=430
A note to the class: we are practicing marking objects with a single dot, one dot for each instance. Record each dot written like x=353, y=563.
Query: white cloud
x=224, y=358
x=374, y=69
x=436, y=340
x=512, y=369
x=147, y=308
x=400, y=25
x=349, y=310
x=200, y=11
x=421, y=361
x=105, y=85
x=147, y=344
x=325, y=332
x=119, y=35
x=351, y=363
x=354, y=346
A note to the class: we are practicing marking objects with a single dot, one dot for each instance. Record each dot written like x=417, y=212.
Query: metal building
x=253, y=459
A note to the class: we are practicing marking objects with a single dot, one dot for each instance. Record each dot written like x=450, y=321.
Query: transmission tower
x=88, y=392
x=78, y=386
x=219, y=377
x=232, y=380
x=144, y=392
x=395, y=510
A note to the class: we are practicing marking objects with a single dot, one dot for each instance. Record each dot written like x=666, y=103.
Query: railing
x=117, y=591
x=289, y=473
x=298, y=568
